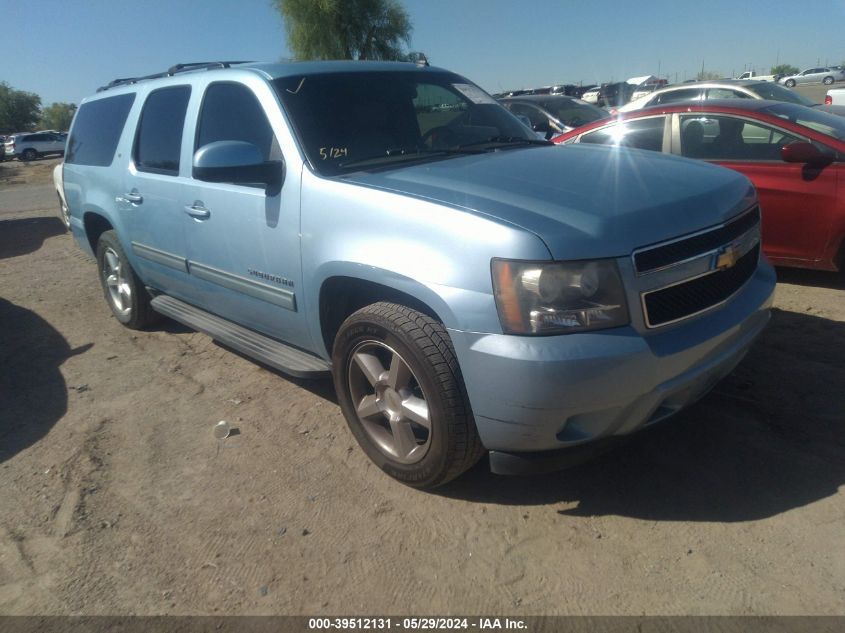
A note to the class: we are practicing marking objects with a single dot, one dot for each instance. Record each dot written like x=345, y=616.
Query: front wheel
x=402, y=394
x=790, y=83
x=827, y=81
x=125, y=293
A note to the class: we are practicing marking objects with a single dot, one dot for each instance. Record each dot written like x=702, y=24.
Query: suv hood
x=583, y=201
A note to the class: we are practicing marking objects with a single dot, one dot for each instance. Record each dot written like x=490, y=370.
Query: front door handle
x=197, y=211
x=133, y=197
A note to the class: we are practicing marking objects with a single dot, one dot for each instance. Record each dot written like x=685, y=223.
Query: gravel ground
x=117, y=499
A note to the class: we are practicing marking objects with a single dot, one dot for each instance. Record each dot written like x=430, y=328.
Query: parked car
x=58, y=183
x=752, y=74
x=794, y=155
x=579, y=91
x=616, y=94
x=35, y=144
x=570, y=90
x=554, y=114
x=470, y=287
x=644, y=90
x=592, y=95
x=835, y=97
x=721, y=89
x=567, y=90
x=823, y=75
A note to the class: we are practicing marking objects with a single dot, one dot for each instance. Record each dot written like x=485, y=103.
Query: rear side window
x=231, y=112
x=639, y=133
x=96, y=130
x=673, y=96
x=726, y=93
x=159, y=140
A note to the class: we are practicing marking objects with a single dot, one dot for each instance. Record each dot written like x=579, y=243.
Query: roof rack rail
x=182, y=68
x=176, y=68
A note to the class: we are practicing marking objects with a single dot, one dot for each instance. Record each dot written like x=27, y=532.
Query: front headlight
x=558, y=297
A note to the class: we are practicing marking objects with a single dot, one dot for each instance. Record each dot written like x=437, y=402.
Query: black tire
x=425, y=346
x=138, y=313
x=29, y=154
x=790, y=83
x=827, y=81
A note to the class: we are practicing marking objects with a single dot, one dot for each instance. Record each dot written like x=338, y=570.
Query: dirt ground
x=117, y=499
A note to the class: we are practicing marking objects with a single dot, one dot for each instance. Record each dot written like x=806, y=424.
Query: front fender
x=454, y=307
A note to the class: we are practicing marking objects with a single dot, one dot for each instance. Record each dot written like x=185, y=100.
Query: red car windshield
x=824, y=122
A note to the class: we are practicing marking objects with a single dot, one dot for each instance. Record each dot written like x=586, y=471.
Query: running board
x=262, y=348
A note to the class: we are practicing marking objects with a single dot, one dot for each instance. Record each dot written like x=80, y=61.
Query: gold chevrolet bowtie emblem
x=727, y=257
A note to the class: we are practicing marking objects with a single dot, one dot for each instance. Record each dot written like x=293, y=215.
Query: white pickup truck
x=752, y=74
x=835, y=96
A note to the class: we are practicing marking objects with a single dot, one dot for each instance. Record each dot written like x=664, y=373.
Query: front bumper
x=532, y=394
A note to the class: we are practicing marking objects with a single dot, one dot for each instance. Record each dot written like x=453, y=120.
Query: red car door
x=797, y=201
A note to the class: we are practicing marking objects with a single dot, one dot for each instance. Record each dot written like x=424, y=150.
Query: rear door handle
x=197, y=211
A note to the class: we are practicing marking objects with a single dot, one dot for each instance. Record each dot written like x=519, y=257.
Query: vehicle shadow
x=816, y=278
x=33, y=394
x=769, y=438
x=23, y=236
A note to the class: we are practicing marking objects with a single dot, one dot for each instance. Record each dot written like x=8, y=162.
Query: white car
x=58, y=183
x=592, y=96
x=825, y=76
x=721, y=89
x=29, y=146
x=644, y=91
x=835, y=96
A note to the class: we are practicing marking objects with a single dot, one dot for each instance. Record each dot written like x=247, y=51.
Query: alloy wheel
x=115, y=274
x=389, y=402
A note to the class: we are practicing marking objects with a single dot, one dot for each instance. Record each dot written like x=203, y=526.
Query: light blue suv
x=471, y=288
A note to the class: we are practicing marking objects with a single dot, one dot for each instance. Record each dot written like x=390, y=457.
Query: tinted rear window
x=96, y=130
x=775, y=92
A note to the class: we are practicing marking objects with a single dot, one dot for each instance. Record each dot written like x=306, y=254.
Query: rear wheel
x=827, y=81
x=29, y=154
x=401, y=391
x=128, y=299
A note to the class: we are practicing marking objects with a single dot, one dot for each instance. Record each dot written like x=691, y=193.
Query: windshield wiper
x=400, y=153
x=514, y=141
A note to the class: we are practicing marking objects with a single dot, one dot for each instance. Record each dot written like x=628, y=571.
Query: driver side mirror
x=803, y=152
x=236, y=162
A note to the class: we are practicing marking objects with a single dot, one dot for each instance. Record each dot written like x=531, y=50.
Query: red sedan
x=794, y=155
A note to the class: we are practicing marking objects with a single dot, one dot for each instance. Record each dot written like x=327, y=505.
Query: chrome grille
x=658, y=257
x=687, y=276
x=688, y=298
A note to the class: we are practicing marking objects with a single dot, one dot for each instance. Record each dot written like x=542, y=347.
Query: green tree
x=707, y=75
x=57, y=116
x=784, y=69
x=19, y=110
x=345, y=29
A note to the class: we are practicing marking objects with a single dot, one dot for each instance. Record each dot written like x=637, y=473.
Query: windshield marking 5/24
x=380, y=118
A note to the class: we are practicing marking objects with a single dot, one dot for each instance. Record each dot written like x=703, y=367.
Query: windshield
x=823, y=122
x=574, y=113
x=348, y=120
x=774, y=92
